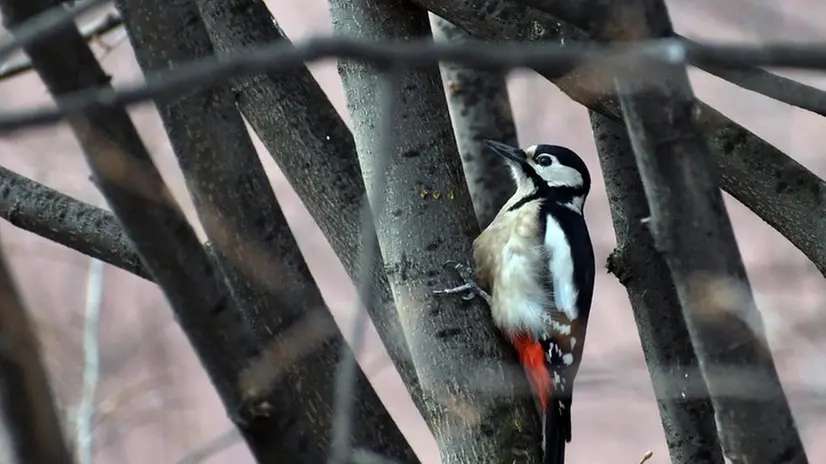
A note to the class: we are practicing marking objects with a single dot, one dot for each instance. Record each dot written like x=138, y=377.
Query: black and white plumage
x=537, y=261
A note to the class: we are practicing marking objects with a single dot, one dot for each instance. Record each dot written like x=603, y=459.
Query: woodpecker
x=537, y=261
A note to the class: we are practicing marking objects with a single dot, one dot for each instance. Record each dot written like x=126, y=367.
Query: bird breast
x=511, y=260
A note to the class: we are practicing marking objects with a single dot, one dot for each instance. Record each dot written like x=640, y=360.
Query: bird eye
x=544, y=160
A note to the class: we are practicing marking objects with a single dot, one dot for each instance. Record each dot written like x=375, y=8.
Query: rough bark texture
x=682, y=395
x=691, y=229
x=29, y=414
x=134, y=189
x=479, y=109
x=314, y=149
x=256, y=251
x=775, y=187
x=90, y=230
x=477, y=408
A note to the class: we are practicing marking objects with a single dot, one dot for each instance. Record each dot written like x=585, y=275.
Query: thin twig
x=617, y=58
x=91, y=366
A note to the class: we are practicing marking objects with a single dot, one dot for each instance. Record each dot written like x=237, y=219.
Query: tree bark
x=691, y=228
x=682, y=395
x=476, y=405
x=256, y=251
x=87, y=229
x=778, y=189
x=29, y=413
x=479, y=109
x=133, y=188
x=314, y=149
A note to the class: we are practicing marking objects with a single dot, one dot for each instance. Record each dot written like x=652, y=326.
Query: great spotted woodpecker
x=537, y=261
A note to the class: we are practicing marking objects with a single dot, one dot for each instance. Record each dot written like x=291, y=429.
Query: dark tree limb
x=479, y=109
x=475, y=403
x=588, y=15
x=100, y=26
x=87, y=229
x=691, y=228
x=779, y=190
x=28, y=409
x=777, y=87
x=167, y=245
x=256, y=251
x=314, y=149
x=682, y=396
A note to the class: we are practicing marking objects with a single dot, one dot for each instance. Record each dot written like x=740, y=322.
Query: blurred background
x=154, y=402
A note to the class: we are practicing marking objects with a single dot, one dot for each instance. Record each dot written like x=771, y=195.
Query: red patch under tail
x=532, y=357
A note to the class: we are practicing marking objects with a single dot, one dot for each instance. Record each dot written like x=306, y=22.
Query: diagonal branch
x=100, y=26
x=688, y=419
x=90, y=230
x=588, y=15
x=474, y=403
x=28, y=409
x=133, y=188
x=691, y=229
x=775, y=187
x=253, y=246
x=480, y=109
x=314, y=149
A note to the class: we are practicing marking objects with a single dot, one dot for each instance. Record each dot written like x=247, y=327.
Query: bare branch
x=588, y=15
x=90, y=230
x=686, y=412
x=86, y=411
x=44, y=24
x=100, y=26
x=553, y=60
x=342, y=449
x=308, y=140
x=28, y=408
x=254, y=247
x=455, y=348
x=479, y=109
x=692, y=231
x=780, y=88
x=168, y=246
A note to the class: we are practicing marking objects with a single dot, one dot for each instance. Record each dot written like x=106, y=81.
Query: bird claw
x=469, y=289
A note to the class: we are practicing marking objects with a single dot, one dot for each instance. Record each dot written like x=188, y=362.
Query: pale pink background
x=156, y=402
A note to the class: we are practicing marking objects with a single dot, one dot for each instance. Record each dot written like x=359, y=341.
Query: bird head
x=554, y=172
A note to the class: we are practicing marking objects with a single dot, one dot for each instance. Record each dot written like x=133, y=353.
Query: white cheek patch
x=560, y=176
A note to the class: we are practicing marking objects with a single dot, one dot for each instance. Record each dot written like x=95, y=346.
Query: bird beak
x=506, y=151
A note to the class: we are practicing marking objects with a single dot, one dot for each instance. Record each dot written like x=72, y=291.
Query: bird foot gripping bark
x=469, y=289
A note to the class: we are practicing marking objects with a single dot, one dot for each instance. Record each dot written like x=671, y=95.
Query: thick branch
x=255, y=249
x=479, y=109
x=691, y=229
x=682, y=396
x=314, y=149
x=29, y=413
x=134, y=189
x=426, y=219
x=62, y=219
x=771, y=184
